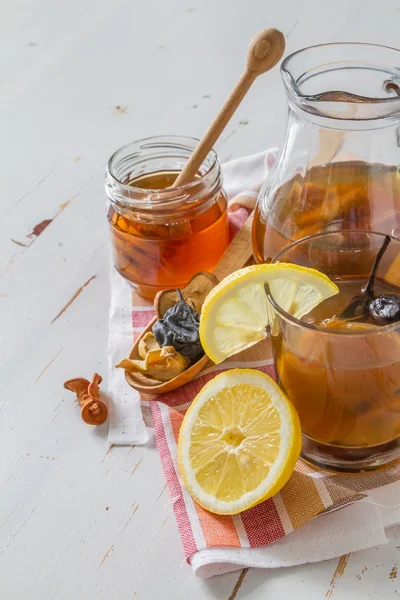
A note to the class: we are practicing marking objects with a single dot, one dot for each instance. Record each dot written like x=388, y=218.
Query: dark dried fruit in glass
x=359, y=306
x=385, y=309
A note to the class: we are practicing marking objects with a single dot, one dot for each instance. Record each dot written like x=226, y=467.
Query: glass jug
x=339, y=166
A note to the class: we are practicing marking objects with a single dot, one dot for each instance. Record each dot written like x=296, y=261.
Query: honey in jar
x=162, y=236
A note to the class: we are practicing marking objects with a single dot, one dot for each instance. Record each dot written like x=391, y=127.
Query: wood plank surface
x=78, y=80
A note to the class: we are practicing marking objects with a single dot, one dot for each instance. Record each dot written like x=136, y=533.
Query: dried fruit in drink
x=385, y=309
x=359, y=306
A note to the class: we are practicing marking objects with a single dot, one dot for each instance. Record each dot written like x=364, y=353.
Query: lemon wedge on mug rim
x=239, y=442
x=237, y=313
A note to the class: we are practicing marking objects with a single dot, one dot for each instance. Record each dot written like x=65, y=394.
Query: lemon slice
x=236, y=313
x=239, y=442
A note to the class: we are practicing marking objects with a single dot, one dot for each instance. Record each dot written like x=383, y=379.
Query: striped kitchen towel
x=308, y=493
x=283, y=530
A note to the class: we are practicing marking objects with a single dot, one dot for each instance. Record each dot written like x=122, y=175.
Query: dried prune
x=359, y=306
x=385, y=309
x=180, y=328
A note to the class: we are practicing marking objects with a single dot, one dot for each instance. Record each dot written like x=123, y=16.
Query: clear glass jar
x=343, y=375
x=338, y=168
x=162, y=236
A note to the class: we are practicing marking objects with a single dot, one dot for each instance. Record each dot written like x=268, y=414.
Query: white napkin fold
x=125, y=415
x=355, y=527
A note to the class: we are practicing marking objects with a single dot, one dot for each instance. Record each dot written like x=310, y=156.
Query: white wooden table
x=79, y=78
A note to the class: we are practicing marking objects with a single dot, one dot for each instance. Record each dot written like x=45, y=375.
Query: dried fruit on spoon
x=161, y=364
x=180, y=328
x=173, y=345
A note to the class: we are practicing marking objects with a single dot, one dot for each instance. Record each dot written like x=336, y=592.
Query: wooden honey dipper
x=264, y=52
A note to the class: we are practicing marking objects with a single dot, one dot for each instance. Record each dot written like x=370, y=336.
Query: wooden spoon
x=264, y=52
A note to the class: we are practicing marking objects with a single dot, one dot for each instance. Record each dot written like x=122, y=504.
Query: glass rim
x=346, y=108
x=285, y=65
x=161, y=138
x=285, y=315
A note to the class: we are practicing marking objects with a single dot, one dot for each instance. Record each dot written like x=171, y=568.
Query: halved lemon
x=239, y=442
x=236, y=313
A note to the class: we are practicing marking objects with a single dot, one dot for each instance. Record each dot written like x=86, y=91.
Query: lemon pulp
x=239, y=441
x=237, y=314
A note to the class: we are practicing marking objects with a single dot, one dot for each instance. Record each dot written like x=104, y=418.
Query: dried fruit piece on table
x=80, y=386
x=180, y=328
x=94, y=411
x=162, y=364
x=146, y=344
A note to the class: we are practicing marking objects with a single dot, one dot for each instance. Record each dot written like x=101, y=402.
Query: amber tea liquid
x=333, y=197
x=347, y=392
x=167, y=252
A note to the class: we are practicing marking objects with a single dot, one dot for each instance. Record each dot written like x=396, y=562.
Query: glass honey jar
x=162, y=236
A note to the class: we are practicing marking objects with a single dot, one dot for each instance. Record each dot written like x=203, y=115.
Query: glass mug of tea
x=340, y=370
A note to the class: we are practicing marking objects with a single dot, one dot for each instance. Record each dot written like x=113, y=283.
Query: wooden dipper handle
x=264, y=51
